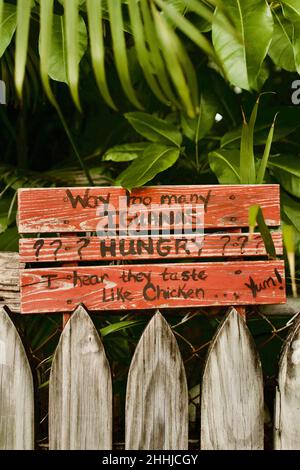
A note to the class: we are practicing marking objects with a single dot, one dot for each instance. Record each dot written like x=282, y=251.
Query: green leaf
x=9, y=239
x=58, y=56
x=125, y=152
x=94, y=13
x=179, y=5
x=155, y=159
x=203, y=25
x=290, y=208
x=288, y=163
x=287, y=122
x=4, y=208
x=119, y=326
x=252, y=217
x=71, y=19
x=187, y=27
x=142, y=51
x=23, y=22
x=155, y=53
x=45, y=44
x=266, y=155
x=154, y=129
x=243, y=47
x=178, y=63
x=8, y=25
x=291, y=10
x=247, y=162
x=119, y=49
x=256, y=214
x=202, y=9
x=286, y=169
x=281, y=49
x=201, y=124
x=289, y=239
x=225, y=165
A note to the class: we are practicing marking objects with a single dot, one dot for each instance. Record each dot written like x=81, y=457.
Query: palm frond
x=22, y=34
x=145, y=27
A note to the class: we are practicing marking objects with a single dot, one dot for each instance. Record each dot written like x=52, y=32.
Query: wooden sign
x=151, y=286
x=81, y=248
x=87, y=209
x=76, y=226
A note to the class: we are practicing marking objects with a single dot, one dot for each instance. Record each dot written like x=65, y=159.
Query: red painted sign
x=150, y=286
x=88, y=209
x=183, y=223
x=212, y=245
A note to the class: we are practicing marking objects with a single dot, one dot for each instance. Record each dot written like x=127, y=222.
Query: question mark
x=245, y=240
x=85, y=242
x=226, y=243
x=37, y=246
x=59, y=245
x=259, y=242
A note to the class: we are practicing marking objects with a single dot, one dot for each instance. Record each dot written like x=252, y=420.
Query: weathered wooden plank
x=10, y=293
x=287, y=405
x=9, y=280
x=16, y=390
x=156, y=396
x=232, y=406
x=82, y=209
x=152, y=286
x=114, y=248
x=80, y=391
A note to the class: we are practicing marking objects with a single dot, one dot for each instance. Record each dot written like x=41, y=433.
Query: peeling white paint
x=2, y=352
x=296, y=352
x=109, y=284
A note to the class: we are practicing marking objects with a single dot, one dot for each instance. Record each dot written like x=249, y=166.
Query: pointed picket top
x=157, y=395
x=232, y=407
x=287, y=405
x=80, y=390
x=16, y=390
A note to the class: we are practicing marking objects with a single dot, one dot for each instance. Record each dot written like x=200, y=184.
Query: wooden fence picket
x=80, y=390
x=232, y=390
x=157, y=396
x=16, y=390
x=287, y=404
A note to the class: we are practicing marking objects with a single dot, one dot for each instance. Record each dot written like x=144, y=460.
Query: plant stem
x=74, y=147
x=196, y=140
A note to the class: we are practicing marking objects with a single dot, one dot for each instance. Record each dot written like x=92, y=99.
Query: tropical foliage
x=130, y=92
x=160, y=90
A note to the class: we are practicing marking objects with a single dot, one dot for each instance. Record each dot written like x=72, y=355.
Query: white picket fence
x=156, y=415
